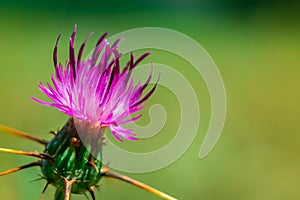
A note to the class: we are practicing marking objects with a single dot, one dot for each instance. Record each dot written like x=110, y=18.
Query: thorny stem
x=106, y=172
x=12, y=131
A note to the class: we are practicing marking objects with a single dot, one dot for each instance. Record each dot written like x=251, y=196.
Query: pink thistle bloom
x=95, y=91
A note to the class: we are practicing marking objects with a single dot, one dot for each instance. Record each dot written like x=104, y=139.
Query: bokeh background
x=256, y=47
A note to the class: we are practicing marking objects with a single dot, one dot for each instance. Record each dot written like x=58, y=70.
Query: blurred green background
x=256, y=47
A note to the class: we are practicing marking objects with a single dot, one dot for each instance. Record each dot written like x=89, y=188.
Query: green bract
x=71, y=163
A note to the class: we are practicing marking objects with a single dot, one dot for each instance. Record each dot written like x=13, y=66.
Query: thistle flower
x=95, y=91
x=96, y=94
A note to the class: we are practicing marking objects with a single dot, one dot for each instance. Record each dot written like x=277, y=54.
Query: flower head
x=96, y=91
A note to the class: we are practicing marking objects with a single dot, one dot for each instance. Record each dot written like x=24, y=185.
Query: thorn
x=93, y=164
x=106, y=172
x=12, y=131
x=53, y=132
x=38, y=179
x=96, y=187
x=20, y=168
x=91, y=191
x=26, y=153
x=42, y=194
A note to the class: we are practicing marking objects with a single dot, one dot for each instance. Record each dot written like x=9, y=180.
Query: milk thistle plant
x=96, y=95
